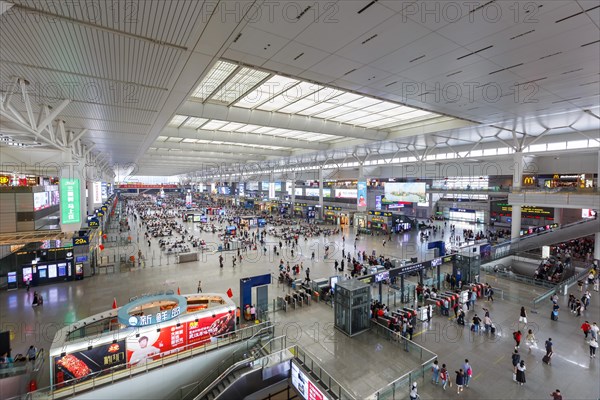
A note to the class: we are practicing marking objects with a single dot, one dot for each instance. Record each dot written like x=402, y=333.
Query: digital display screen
x=27, y=274
x=382, y=276
x=52, y=273
x=62, y=269
x=42, y=271
x=12, y=277
x=78, y=269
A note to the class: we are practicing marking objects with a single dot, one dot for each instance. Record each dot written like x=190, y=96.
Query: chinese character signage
x=361, y=195
x=70, y=207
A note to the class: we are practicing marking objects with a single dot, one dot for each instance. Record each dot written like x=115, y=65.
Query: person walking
x=586, y=328
x=530, y=339
x=517, y=336
x=523, y=317
x=199, y=287
x=549, y=351
x=435, y=369
x=593, y=346
x=521, y=372
x=594, y=329
x=460, y=380
x=414, y=395
x=444, y=377
x=490, y=293
x=556, y=395
x=468, y=372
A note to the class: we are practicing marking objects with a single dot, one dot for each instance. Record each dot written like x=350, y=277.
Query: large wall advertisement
x=95, y=362
x=395, y=192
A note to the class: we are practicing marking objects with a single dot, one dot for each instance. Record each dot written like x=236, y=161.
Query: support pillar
x=321, y=193
x=515, y=226
x=518, y=167
x=597, y=248
x=293, y=194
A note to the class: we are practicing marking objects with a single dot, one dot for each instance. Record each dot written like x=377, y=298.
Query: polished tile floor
x=362, y=364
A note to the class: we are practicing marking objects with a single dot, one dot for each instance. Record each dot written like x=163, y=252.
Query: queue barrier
x=187, y=257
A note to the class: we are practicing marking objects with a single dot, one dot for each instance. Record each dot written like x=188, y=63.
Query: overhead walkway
x=583, y=198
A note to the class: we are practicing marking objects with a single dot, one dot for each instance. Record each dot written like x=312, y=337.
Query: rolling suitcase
x=493, y=330
x=546, y=360
x=554, y=316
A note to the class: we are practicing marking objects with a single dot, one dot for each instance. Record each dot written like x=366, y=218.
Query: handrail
x=564, y=284
x=219, y=378
x=414, y=373
x=223, y=362
x=92, y=381
x=283, y=337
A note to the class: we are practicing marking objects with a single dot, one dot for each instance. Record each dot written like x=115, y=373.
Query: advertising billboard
x=153, y=344
x=361, y=195
x=252, y=186
x=97, y=192
x=70, y=207
x=307, y=389
x=311, y=192
x=94, y=362
x=278, y=186
x=271, y=190
x=41, y=200
x=378, y=202
x=346, y=193
x=413, y=192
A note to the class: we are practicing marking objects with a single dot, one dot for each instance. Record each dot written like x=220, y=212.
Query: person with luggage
x=549, y=351
x=554, y=314
x=444, y=377
x=460, y=380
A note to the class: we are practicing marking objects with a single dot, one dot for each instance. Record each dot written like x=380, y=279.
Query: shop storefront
x=300, y=210
x=380, y=221
x=464, y=214
x=360, y=221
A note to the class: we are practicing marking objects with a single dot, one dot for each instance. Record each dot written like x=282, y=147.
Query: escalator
x=564, y=234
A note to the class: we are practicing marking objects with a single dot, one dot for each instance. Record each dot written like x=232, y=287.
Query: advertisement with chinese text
x=83, y=364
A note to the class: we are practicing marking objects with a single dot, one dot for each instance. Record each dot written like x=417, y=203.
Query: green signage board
x=70, y=209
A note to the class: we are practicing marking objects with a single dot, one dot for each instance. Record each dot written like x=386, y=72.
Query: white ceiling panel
x=298, y=55
x=258, y=42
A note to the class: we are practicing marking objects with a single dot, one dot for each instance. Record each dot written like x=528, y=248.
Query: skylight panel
x=303, y=89
x=247, y=128
x=215, y=77
x=367, y=119
x=214, y=124
x=317, y=108
x=298, y=106
x=264, y=129
x=394, y=112
x=334, y=112
x=232, y=126
x=195, y=123
x=178, y=120
x=240, y=84
x=361, y=104
x=275, y=85
x=413, y=114
x=351, y=115
x=383, y=106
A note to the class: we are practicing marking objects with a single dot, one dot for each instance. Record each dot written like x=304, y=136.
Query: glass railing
x=22, y=367
x=95, y=380
x=324, y=378
x=398, y=388
x=563, y=286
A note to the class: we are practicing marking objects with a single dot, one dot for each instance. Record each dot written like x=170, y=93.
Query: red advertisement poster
x=314, y=393
x=152, y=345
x=200, y=332
x=81, y=364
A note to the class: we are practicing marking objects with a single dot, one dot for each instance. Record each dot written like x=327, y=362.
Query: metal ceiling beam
x=224, y=148
x=200, y=155
x=53, y=114
x=277, y=120
x=239, y=137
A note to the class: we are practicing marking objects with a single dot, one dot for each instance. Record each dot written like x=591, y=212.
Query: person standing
x=594, y=329
x=521, y=372
x=593, y=346
x=435, y=369
x=199, y=287
x=556, y=395
x=31, y=353
x=468, y=372
x=490, y=293
x=460, y=380
x=516, y=359
x=414, y=395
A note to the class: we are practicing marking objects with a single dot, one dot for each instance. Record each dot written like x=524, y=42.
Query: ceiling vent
x=589, y=83
x=298, y=56
x=535, y=80
x=576, y=14
x=565, y=100
x=367, y=6
x=475, y=52
x=370, y=38
x=571, y=71
x=391, y=83
x=522, y=34
x=454, y=73
x=416, y=59
x=473, y=11
x=551, y=55
x=505, y=69
x=239, y=35
x=349, y=72
x=303, y=12
x=587, y=44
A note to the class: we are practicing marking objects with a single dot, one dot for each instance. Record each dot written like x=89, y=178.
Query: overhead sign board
x=70, y=207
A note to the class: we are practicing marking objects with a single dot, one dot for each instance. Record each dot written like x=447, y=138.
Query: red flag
x=178, y=292
x=229, y=293
x=114, y=303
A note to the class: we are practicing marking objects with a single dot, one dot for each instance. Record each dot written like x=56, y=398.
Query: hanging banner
x=70, y=207
x=361, y=196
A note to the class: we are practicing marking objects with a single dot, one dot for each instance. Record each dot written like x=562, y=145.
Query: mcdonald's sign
x=556, y=177
x=528, y=181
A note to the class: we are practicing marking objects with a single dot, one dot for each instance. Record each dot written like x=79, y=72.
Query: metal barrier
x=561, y=287
x=398, y=388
